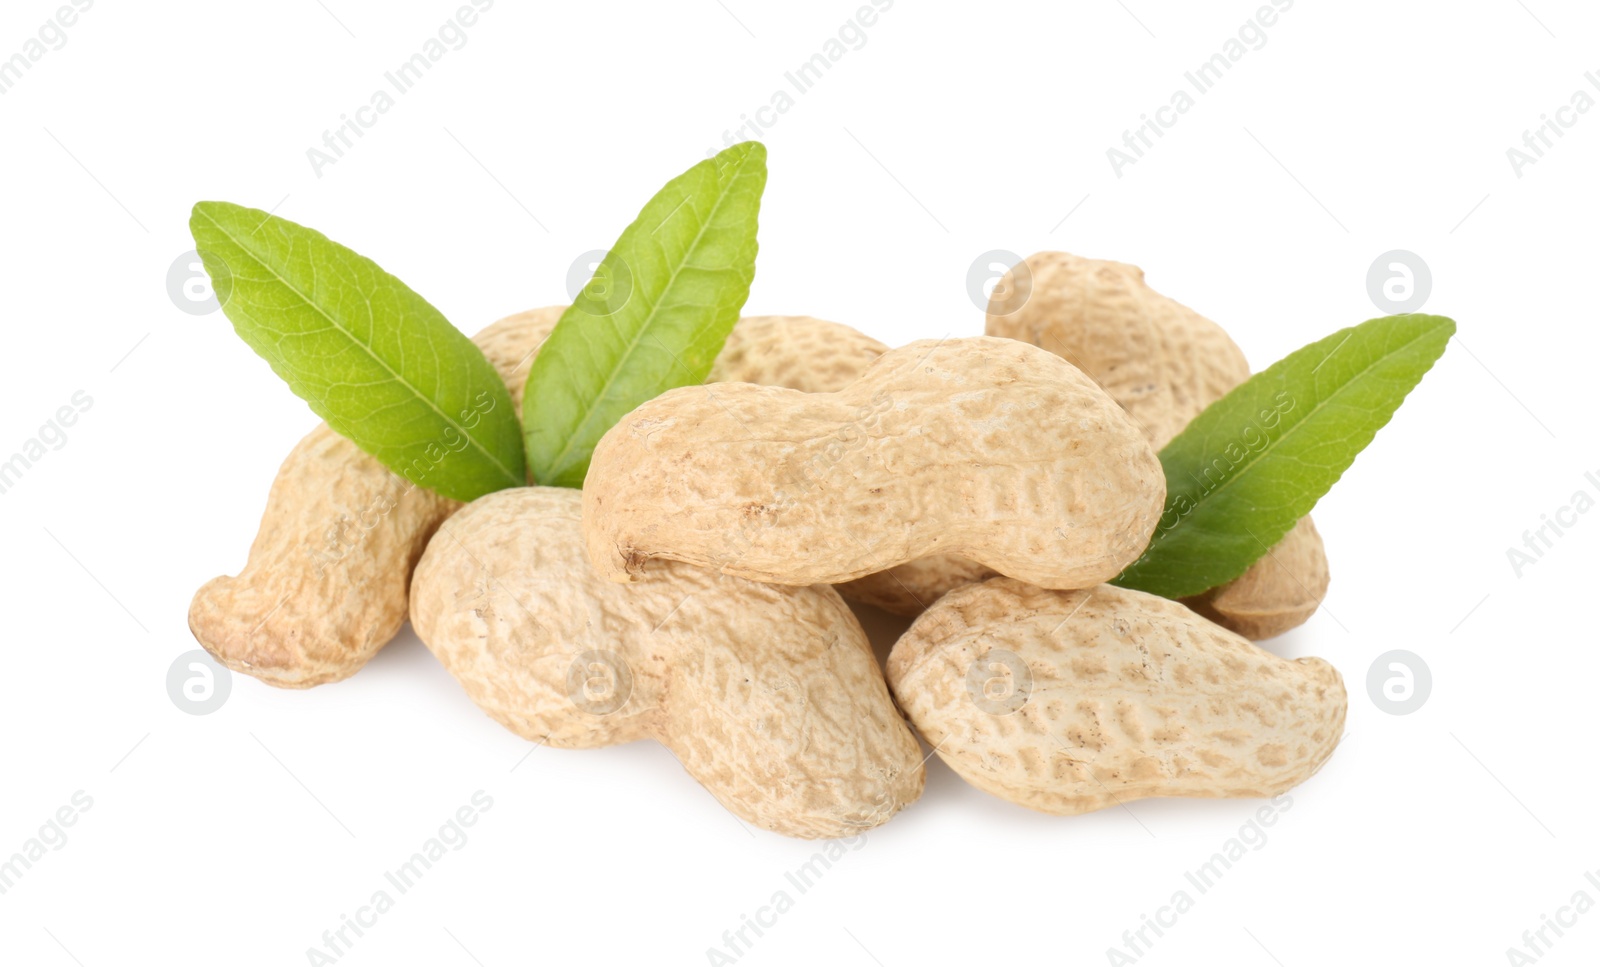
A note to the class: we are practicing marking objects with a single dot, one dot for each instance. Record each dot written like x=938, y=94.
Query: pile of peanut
x=694, y=591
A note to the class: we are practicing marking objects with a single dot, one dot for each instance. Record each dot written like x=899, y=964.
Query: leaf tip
x=752, y=153
x=199, y=211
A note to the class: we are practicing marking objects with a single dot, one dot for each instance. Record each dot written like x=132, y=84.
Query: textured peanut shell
x=815, y=356
x=769, y=696
x=325, y=584
x=798, y=352
x=1160, y=360
x=338, y=521
x=1164, y=363
x=1280, y=591
x=1126, y=695
x=986, y=448
x=909, y=588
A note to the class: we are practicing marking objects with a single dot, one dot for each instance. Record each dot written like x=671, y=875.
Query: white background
x=1360, y=127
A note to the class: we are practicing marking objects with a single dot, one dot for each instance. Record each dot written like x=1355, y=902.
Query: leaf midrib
x=1288, y=434
x=558, y=465
x=505, y=470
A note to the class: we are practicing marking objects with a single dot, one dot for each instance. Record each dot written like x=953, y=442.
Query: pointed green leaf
x=654, y=316
x=1257, y=460
x=372, y=357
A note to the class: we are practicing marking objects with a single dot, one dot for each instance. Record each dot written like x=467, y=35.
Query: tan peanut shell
x=1164, y=363
x=798, y=352
x=326, y=581
x=770, y=696
x=1281, y=591
x=1160, y=360
x=907, y=589
x=1071, y=701
x=986, y=448
x=325, y=586
x=816, y=356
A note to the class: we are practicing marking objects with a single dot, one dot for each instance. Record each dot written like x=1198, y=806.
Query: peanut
x=907, y=589
x=816, y=356
x=1280, y=592
x=1164, y=363
x=986, y=448
x=1071, y=701
x=770, y=696
x=325, y=584
x=1160, y=360
x=798, y=352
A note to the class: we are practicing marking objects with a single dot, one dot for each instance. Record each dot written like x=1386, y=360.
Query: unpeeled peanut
x=326, y=581
x=986, y=448
x=1279, y=592
x=815, y=356
x=798, y=352
x=1071, y=701
x=907, y=589
x=1160, y=360
x=770, y=696
x=1164, y=363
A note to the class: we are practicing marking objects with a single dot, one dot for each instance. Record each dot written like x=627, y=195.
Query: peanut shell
x=985, y=448
x=326, y=581
x=1164, y=363
x=1071, y=701
x=770, y=696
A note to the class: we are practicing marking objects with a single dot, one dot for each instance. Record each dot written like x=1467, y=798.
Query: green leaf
x=654, y=316
x=1257, y=460
x=372, y=357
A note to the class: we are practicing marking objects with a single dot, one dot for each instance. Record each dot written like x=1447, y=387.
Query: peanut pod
x=985, y=448
x=1071, y=701
x=326, y=581
x=1164, y=363
x=770, y=696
